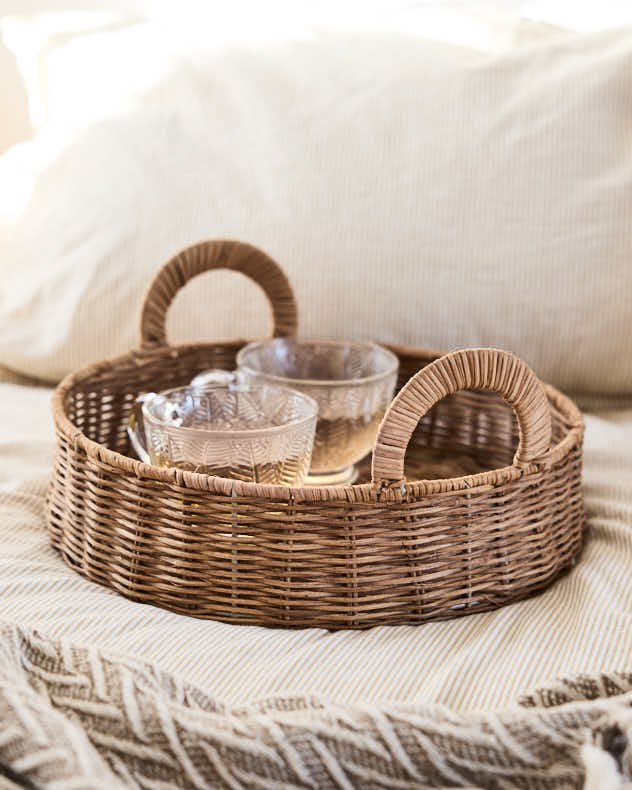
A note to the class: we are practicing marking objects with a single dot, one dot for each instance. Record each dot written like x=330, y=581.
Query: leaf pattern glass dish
x=257, y=432
x=352, y=383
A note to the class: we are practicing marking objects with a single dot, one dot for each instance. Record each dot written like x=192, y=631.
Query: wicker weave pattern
x=495, y=514
x=236, y=256
x=498, y=371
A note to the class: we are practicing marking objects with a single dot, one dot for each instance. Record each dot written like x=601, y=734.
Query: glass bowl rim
x=243, y=433
x=285, y=381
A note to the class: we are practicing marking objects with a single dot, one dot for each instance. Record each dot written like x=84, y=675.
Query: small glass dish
x=352, y=383
x=255, y=432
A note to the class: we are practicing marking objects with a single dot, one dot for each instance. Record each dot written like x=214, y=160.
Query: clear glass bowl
x=256, y=432
x=352, y=383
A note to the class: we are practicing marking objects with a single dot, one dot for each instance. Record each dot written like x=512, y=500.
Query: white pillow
x=414, y=192
x=14, y=112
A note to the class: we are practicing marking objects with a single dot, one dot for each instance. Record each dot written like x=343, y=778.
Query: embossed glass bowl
x=256, y=432
x=352, y=383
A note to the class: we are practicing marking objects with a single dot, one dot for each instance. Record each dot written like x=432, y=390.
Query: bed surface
x=582, y=624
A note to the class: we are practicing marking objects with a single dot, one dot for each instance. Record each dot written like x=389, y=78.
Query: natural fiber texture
x=478, y=368
x=82, y=717
x=337, y=557
x=236, y=256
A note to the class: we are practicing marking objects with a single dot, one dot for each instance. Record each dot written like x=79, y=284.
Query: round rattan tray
x=470, y=501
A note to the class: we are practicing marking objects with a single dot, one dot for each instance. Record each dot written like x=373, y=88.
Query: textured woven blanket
x=73, y=717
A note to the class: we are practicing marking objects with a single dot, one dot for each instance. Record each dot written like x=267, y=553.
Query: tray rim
x=364, y=492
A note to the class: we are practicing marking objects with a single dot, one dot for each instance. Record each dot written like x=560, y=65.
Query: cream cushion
x=16, y=125
x=414, y=192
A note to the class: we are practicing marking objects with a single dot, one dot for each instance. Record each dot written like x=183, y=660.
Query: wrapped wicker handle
x=234, y=255
x=475, y=368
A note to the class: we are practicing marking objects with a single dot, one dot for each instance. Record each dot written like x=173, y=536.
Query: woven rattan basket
x=494, y=511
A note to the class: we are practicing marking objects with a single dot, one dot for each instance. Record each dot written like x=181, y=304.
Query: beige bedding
x=582, y=624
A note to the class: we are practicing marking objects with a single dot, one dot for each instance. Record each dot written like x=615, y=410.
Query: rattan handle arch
x=474, y=368
x=203, y=257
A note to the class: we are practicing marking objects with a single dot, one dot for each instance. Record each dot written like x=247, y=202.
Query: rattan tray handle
x=234, y=255
x=475, y=368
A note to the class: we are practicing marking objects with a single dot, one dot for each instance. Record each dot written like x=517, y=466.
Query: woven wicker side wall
x=316, y=564
x=330, y=564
